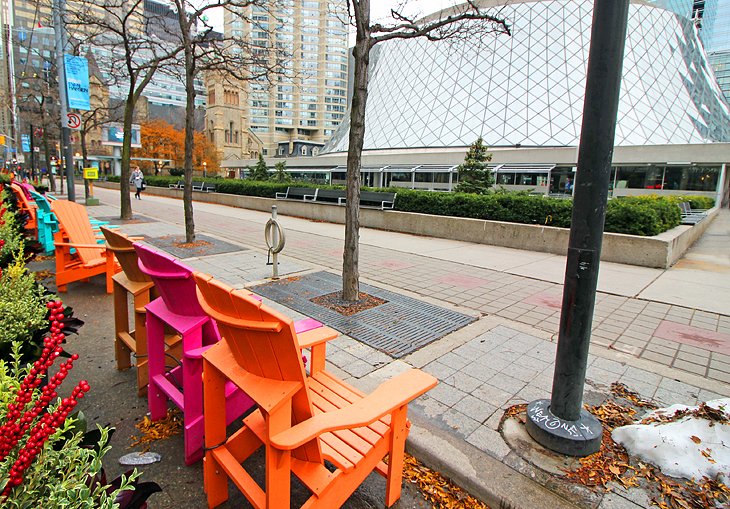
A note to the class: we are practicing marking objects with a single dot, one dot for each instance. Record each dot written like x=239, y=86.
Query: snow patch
x=690, y=447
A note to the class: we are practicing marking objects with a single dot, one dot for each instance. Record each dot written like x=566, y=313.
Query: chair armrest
x=99, y=246
x=196, y=353
x=389, y=396
x=317, y=336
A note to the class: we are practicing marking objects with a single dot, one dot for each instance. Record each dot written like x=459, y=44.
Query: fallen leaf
x=695, y=439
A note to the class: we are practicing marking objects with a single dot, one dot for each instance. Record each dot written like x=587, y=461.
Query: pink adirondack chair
x=178, y=308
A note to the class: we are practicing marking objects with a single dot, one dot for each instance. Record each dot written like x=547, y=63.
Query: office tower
x=715, y=34
x=302, y=104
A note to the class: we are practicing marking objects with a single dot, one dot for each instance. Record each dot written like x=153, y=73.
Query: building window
x=304, y=150
x=211, y=96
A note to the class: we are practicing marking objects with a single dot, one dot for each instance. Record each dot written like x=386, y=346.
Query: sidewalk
x=656, y=331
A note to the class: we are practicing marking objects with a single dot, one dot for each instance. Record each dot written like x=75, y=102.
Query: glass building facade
x=527, y=90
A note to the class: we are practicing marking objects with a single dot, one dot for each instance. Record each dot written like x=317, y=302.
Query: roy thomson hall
x=428, y=101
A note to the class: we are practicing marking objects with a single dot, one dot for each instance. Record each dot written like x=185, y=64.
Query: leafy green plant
x=23, y=311
x=698, y=202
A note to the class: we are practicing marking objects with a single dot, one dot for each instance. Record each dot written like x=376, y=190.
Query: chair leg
x=140, y=341
x=193, y=397
x=398, y=434
x=156, y=399
x=121, y=324
x=278, y=462
x=214, y=477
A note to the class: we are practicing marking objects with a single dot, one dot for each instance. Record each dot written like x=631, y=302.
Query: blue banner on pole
x=77, y=82
x=25, y=142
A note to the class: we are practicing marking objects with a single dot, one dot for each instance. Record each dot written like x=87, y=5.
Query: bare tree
x=462, y=22
x=128, y=53
x=229, y=56
x=37, y=97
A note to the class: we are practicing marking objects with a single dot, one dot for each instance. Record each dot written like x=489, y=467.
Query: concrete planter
x=660, y=251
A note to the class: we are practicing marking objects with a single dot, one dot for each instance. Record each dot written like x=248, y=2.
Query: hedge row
x=634, y=215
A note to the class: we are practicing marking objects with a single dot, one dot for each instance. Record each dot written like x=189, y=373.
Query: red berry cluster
x=22, y=418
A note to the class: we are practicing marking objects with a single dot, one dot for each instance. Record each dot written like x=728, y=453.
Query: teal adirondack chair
x=47, y=222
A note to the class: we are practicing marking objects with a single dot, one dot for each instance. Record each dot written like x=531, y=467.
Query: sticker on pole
x=91, y=173
x=73, y=121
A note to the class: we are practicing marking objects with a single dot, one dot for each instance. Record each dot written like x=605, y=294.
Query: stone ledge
x=660, y=251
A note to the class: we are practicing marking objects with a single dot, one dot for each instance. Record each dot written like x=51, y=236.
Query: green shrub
x=665, y=206
x=634, y=217
x=11, y=237
x=22, y=311
x=698, y=202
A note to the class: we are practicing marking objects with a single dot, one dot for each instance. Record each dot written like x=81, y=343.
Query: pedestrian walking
x=137, y=179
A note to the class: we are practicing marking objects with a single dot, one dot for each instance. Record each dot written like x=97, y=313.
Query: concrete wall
x=660, y=251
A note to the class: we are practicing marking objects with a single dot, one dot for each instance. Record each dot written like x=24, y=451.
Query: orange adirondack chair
x=132, y=281
x=28, y=206
x=301, y=421
x=89, y=258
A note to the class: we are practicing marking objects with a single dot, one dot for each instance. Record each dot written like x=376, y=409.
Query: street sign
x=25, y=142
x=36, y=149
x=91, y=173
x=73, y=121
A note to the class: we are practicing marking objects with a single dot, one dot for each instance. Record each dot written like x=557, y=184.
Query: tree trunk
x=361, y=53
x=126, y=201
x=189, y=138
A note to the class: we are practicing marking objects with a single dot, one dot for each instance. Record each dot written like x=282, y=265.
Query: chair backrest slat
x=264, y=353
x=41, y=202
x=173, y=280
x=123, y=249
x=74, y=220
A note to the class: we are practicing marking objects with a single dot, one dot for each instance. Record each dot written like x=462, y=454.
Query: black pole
x=562, y=424
x=32, y=153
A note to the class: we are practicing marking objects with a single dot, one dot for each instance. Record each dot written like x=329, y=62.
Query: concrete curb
x=483, y=476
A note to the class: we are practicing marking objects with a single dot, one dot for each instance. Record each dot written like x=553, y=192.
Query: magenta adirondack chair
x=178, y=308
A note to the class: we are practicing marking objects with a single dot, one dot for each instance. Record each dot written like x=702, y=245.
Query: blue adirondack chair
x=47, y=222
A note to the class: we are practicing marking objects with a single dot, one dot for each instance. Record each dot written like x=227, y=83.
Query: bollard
x=275, y=240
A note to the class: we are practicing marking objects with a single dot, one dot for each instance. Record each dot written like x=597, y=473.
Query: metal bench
x=298, y=193
x=374, y=199
x=330, y=196
x=180, y=185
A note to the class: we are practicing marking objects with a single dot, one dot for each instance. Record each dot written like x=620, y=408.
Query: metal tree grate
x=400, y=326
x=203, y=246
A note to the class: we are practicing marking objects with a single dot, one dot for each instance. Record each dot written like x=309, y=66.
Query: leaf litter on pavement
x=611, y=464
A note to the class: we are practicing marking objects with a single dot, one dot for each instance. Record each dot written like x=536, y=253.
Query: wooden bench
x=297, y=193
x=376, y=199
x=317, y=427
x=78, y=255
x=180, y=185
x=330, y=196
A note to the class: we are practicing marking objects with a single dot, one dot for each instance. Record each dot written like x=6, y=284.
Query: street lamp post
x=205, y=168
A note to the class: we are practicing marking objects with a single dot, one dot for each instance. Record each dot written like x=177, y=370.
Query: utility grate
x=398, y=327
